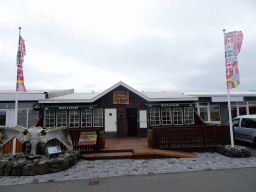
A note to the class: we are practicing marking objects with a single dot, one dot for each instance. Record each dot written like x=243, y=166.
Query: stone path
x=108, y=168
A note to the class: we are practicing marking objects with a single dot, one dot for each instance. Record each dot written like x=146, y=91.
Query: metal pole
x=229, y=107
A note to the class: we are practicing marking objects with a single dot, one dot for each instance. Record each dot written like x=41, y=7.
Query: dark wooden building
x=120, y=111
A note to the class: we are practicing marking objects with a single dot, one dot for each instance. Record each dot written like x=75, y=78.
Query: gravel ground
x=110, y=168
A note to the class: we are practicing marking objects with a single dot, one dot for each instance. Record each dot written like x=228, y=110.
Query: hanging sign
x=121, y=97
x=37, y=107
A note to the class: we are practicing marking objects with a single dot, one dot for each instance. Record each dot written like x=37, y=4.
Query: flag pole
x=16, y=110
x=229, y=107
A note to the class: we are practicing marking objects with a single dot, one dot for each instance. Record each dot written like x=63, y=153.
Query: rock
x=29, y=170
x=54, y=168
x=54, y=161
x=77, y=154
x=36, y=160
x=65, y=164
x=68, y=155
x=71, y=162
x=43, y=167
x=75, y=159
x=2, y=165
x=33, y=157
x=8, y=169
x=18, y=169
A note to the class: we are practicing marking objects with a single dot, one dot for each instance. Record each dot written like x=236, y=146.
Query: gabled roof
x=92, y=97
x=117, y=85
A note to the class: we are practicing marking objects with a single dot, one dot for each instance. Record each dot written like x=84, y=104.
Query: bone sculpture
x=35, y=135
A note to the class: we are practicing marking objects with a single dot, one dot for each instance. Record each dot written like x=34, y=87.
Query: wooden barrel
x=101, y=139
x=150, y=138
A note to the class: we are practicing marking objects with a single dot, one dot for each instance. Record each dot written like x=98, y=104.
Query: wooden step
x=108, y=155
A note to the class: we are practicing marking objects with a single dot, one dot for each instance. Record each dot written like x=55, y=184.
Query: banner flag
x=20, y=59
x=233, y=43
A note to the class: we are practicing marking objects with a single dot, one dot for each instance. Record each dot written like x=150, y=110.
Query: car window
x=235, y=122
x=248, y=123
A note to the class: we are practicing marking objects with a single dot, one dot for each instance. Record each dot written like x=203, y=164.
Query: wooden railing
x=75, y=134
x=190, y=136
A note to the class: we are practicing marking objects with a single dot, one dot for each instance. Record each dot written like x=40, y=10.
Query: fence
x=190, y=136
x=75, y=134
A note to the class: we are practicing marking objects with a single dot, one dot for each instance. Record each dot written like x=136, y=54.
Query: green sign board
x=65, y=107
x=170, y=105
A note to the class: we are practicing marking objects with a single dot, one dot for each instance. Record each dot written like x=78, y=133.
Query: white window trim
x=154, y=116
x=162, y=110
x=57, y=117
x=97, y=117
x=208, y=112
x=181, y=114
x=189, y=115
x=78, y=116
x=54, y=117
x=82, y=118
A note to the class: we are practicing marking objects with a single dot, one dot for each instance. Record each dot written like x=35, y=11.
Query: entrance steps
x=136, y=154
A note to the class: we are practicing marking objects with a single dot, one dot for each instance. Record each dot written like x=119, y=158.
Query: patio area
x=133, y=148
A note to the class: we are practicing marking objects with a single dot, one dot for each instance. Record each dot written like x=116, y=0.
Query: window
x=166, y=116
x=252, y=110
x=154, y=116
x=49, y=118
x=74, y=118
x=177, y=116
x=233, y=111
x=98, y=117
x=189, y=115
x=61, y=118
x=210, y=113
x=2, y=118
x=86, y=118
x=215, y=113
x=235, y=122
x=248, y=123
x=204, y=113
x=242, y=110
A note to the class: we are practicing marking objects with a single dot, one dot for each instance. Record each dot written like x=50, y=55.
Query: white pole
x=229, y=107
x=16, y=111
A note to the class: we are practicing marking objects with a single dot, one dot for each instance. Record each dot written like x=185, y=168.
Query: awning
x=65, y=107
x=170, y=105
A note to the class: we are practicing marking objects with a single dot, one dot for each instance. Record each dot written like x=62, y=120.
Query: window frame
x=71, y=112
x=57, y=111
x=45, y=116
x=193, y=119
x=86, y=117
x=151, y=112
x=98, y=117
x=198, y=106
x=170, y=115
x=181, y=112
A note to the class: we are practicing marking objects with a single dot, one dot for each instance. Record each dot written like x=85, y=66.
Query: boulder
x=43, y=167
x=17, y=169
x=54, y=168
x=29, y=170
x=8, y=169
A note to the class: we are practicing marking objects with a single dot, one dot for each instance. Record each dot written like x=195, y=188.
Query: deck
x=133, y=148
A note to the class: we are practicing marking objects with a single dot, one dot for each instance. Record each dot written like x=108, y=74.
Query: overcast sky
x=149, y=45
